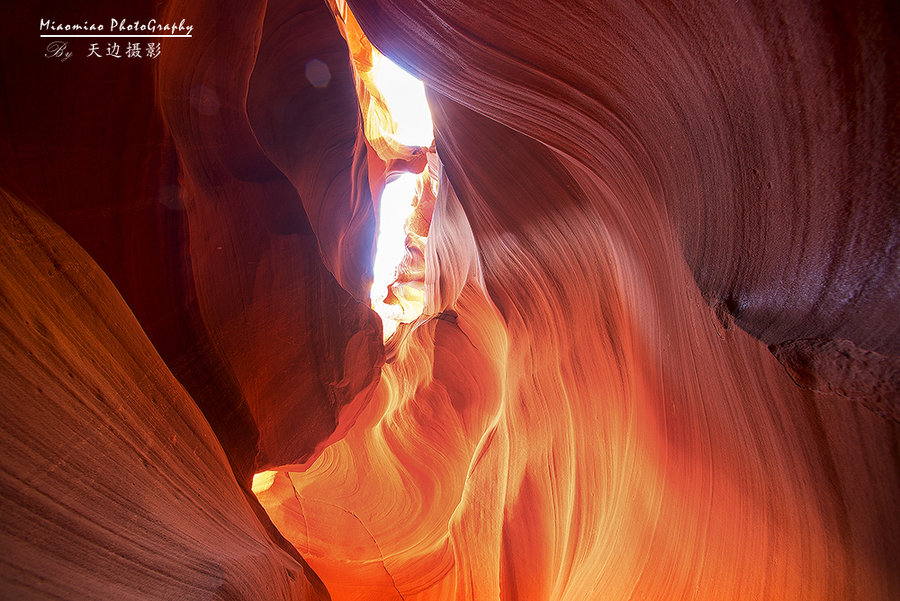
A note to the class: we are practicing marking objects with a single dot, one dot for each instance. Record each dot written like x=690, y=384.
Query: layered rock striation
x=658, y=357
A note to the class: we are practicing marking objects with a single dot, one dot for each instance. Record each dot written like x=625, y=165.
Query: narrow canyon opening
x=396, y=121
x=637, y=333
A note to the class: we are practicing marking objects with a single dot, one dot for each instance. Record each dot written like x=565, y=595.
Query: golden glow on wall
x=262, y=482
x=570, y=419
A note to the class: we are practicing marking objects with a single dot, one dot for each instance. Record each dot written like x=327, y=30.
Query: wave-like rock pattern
x=765, y=130
x=627, y=444
x=153, y=167
x=646, y=186
x=113, y=484
x=300, y=347
x=659, y=355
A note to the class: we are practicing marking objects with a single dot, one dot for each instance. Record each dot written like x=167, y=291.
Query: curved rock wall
x=656, y=194
x=660, y=355
x=113, y=484
x=765, y=130
x=153, y=167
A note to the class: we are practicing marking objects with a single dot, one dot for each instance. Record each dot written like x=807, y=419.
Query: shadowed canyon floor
x=658, y=357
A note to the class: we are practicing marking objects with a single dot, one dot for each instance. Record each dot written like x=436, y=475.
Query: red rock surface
x=113, y=484
x=660, y=356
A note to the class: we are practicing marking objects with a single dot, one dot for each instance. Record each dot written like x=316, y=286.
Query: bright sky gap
x=404, y=96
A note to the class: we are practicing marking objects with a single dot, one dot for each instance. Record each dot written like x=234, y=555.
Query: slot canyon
x=647, y=317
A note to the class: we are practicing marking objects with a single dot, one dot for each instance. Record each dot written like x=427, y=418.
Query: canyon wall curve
x=659, y=357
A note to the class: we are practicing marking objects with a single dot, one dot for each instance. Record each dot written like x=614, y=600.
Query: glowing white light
x=396, y=207
x=405, y=99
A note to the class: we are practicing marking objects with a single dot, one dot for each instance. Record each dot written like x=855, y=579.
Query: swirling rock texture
x=659, y=357
x=154, y=168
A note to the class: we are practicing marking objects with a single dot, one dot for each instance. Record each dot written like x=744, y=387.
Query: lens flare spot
x=317, y=73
